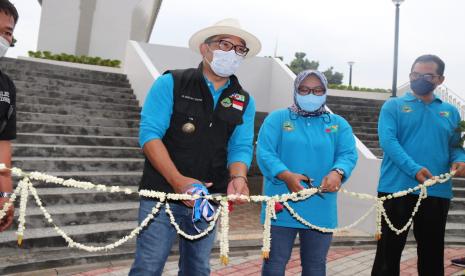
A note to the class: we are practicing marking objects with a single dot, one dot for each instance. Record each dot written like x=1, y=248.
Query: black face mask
x=422, y=87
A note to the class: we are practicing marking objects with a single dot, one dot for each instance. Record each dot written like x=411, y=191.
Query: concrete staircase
x=77, y=124
x=362, y=115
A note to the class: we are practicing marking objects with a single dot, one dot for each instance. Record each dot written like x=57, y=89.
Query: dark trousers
x=429, y=226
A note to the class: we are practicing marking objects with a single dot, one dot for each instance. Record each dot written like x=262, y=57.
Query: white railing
x=449, y=96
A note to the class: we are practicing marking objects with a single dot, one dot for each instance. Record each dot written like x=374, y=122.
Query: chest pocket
x=187, y=122
x=230, y=115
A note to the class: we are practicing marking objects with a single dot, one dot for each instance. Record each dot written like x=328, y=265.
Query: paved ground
x=341, y=261
x=245, y=227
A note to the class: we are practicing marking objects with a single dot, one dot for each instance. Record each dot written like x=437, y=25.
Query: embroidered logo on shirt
x=332, y=129
x=287, y=126
x=226, y=102
x=444, y=114
x=5, y=97
x=406, y=109
x=238, y=97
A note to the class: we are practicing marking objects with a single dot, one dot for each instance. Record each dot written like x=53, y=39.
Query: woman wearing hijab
x=296, y=146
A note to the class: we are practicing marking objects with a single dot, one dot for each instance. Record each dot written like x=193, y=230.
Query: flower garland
x=184, y=234
x=25, y=186
x=10, y=202
x=224, y=236
x=22, y=209
x=324, y=229
x=73, y=244
x=269, y=214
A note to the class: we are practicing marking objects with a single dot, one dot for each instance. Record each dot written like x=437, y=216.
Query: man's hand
x=293, y=180
x=331, y=182
x=238, y=186
x=459, y=167
x=423, y=175
x=182, y=184
x=7, y=220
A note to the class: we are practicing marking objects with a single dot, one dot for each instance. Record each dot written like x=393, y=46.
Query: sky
x=332, y=32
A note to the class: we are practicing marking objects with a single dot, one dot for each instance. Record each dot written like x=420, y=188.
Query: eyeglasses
x=227, y=46
x=427, y=77
x=317, y=91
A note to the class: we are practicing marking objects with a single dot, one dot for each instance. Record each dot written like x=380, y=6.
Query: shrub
x=75, y=59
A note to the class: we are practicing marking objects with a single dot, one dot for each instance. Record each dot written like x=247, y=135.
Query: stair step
x=39, y=150
x=364, y=129
x=34, y=127
x=71, y=196
x=107, y=178
x=30, y=89
x=457, y=204
x=17, y=260
x=69, y=83
x=63, y=110
x=459, y=182
x=79, y=214
x=63, y=139
x=74, y=119
x=459, y=192
x=81, y=103
x=456, y=216
x=45, y=164
x=100, y=91
x=69, y=95
x=455, y=229
x=101, y=233
x=32, y=75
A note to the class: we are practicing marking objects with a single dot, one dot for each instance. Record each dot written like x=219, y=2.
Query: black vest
x=201, y=154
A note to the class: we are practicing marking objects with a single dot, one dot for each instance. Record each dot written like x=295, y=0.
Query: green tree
x=301, y=63
x=333, y=77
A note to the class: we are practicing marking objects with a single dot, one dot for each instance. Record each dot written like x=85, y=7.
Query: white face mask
x=225, y=64
x=4, y=45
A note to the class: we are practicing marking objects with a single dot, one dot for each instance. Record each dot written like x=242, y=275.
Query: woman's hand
x=293, y=180
x=331, y=182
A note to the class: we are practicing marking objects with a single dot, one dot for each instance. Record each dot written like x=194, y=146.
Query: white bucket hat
x=229, y=26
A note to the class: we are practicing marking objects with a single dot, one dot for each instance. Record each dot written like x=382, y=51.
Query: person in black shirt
x=8, y=20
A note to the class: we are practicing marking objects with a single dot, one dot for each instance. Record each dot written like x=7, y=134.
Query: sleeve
x=157, y=110
x=240, y=145
x=456, y=153
x=387, y=131
x=268, y=142
x=346, y=152
x=8, y=114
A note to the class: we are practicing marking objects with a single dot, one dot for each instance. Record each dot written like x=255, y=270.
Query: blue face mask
x=310, y=102
x=422, y=87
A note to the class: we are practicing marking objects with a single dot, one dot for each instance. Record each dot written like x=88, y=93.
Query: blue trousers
x=154, y=243
x=314, y=247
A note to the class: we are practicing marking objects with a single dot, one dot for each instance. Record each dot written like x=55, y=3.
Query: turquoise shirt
x=158, y=108
x=312, y=146
x=414, y=134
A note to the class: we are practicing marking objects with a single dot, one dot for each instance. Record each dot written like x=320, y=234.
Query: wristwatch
x=339, y=171
x=5, y=194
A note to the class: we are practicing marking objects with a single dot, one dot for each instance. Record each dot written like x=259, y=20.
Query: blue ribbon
x=202, y=208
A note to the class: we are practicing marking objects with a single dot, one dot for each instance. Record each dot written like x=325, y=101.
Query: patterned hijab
x=298, y=80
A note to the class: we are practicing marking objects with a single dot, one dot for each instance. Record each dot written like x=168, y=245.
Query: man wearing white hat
x=197, y=126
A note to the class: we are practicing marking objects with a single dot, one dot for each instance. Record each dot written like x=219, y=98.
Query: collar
x=409, y=97
x=212, y=87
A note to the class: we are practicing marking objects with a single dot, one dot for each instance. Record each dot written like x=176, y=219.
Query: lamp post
x=351, y=63
x=396, y=47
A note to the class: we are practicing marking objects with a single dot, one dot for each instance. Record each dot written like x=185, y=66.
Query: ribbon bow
x=202, y=207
